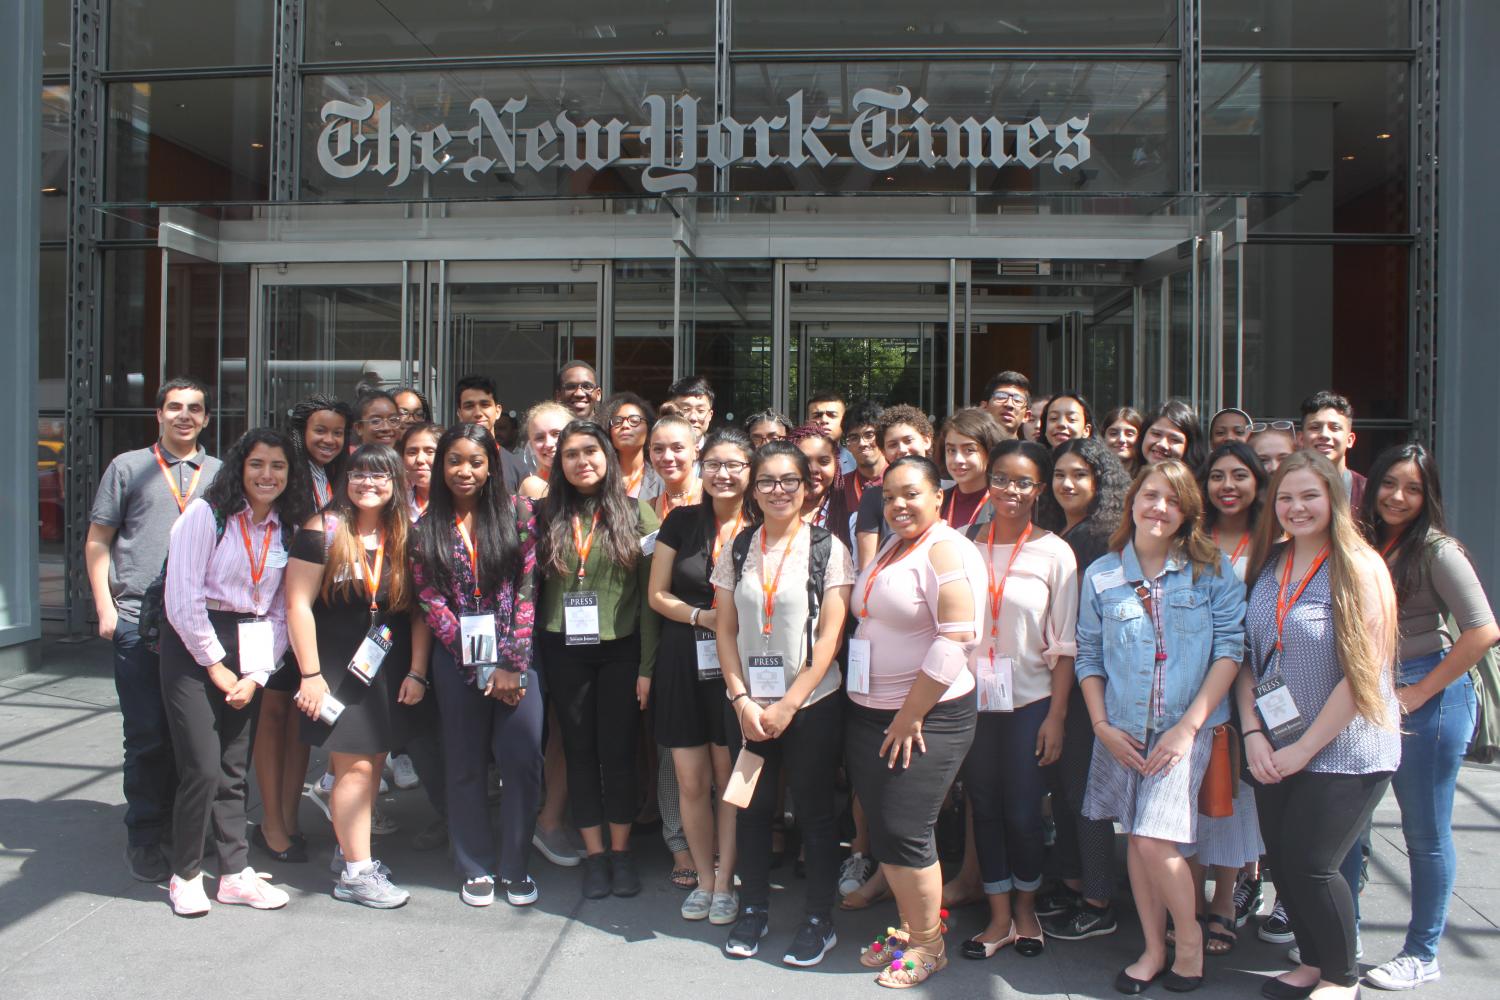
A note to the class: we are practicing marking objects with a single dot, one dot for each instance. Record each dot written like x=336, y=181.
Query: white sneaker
x=855, y=872
x=187, y=896
x=1404, y=972
x=325, y=784
x=248, y=889
x=404, y=771
x=385, y=786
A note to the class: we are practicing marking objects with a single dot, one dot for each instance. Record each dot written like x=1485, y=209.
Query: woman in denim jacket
x=1160, y=638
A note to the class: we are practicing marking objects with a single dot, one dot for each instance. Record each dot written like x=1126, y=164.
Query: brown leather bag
x=1221, y=781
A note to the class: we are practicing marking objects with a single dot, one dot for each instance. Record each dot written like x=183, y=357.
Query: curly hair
x=1090, y=537
x=226, y=494
x=297, y=420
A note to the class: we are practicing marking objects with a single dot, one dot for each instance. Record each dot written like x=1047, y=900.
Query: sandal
x=1220, y=942
x=913, y=966
x=684, y=878
x=882, y=951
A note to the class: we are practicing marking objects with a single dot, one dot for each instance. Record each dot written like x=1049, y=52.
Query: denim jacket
x=1202, y=621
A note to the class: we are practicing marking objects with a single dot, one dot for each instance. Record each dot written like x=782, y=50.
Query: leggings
x=1005, y=789
x=1309, y=821
x=593, y=688
x=1085, y=848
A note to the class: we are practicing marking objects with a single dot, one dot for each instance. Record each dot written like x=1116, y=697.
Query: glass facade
x=881, y=198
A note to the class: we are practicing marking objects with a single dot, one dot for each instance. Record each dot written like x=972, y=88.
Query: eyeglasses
x=1004, y=483
x=579, y=387
x=627, y=420
x=860, y=437
x=407, y=416
x=371, y=478
x=379, y=422
x=712, y=468
x=1272, y=425
x=1237, y=428
x=788, y=484
x=1003, y=395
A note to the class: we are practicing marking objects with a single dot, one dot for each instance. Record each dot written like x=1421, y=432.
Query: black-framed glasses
x=1003, y=483
x=1271, y=425
x=373, y=478
x=627, y=420
x=579, y=387
x=410, y=416
x=713, y=467
x=860, y=437
x=788, y=484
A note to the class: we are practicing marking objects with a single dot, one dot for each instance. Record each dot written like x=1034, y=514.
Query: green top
x=623, y=608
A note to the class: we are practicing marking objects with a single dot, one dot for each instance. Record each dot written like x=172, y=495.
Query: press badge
x=767, y=677
x=859, y=666
x=995, y=691
x=277, y=559
x=648, y=543
x=708, y=654
x=1109, y=578
x=331, y=710
x=581, y=618
x=257, y=646
x=1273, y=699
x=478, y=639
x=371, y=653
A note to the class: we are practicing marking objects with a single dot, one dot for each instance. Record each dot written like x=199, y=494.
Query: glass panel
x=1326, y=317
x=727, y=308
x=417, y=29
x=856, y=24
x=208, y=336
x=169, y=34
x=51, y=488
x=1358, y=24
x=1334, y=136
x=1180, y=337
x=57, y=125
x=52, y=331
x=1109, y=361
x=424, y=102
x=1131, y=112
x=125, y=433
x=57, y=35
x=232, y=394
x=188, y=140
x=1153, y=344
x=643, y=329
x=130, y=321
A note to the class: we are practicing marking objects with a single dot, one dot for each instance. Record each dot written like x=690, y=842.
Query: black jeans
x=1309, y=821
x=150, y=771
x=425, y=747
x=593, y=689
x=809, y=752
x=1006, y=789
x=1085, y=848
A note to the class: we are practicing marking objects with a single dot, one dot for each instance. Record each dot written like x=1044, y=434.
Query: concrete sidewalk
x=73, y=924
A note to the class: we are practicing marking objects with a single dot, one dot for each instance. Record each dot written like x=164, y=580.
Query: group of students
x=1053, y=619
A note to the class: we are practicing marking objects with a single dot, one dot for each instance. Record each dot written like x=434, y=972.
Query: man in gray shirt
x=140, y=497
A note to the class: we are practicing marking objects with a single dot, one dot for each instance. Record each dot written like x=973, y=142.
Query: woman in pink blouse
x=224, y=602
x=918, y=604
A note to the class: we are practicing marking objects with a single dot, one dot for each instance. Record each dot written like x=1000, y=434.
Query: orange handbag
x=1221, y=781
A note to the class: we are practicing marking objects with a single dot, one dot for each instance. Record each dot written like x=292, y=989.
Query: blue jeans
x=150, y=769
x=1433, y=741
x=1006, y=787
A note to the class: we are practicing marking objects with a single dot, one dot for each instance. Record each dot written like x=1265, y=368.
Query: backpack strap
x=740, y=551
x=820, y=548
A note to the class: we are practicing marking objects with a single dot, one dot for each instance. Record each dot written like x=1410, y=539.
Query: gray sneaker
x=724, y=910
x=697, y=904
x=1404, y=972
x=556, y=846
x=371, y=889
x=336, y=866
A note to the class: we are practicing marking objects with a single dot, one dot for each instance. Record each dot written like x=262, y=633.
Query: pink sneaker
x=187, y=896
x=248, y=889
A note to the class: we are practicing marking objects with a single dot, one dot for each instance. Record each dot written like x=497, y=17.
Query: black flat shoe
x=1029, y=947
x=1276, y=989
x=1130, y=986
x=295, y=854
x=1181, y=984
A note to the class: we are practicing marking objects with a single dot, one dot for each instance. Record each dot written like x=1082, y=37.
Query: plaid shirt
x=1151, y=597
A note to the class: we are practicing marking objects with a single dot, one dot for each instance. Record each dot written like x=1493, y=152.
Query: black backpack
x=821, y=548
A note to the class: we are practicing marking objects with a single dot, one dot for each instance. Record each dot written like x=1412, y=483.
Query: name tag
x=708, y=654
x=581, y=618
x=1273, y=700
x=257, y=646
x=478, y=639
x=1239, y=567
x=995, y=691
x=371, y=653
x=859, y=666
x=331, y=710
x=648, y=544
x=276, y=559
x=1107, y=579
x=767, y=677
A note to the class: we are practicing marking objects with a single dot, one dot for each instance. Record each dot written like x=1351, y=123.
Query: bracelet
x=419, y=678
x=1251, y=732
x=315, y=673
x=693, y=618
x=1101, y=722
x=737, y=697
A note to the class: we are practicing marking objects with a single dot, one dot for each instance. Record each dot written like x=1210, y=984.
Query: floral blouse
x=513, y=605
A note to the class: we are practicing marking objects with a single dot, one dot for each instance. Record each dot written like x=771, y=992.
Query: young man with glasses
x=577, y=388
x=693, y=399
x=1007, y=397
x=862, y=441
x=478, y=404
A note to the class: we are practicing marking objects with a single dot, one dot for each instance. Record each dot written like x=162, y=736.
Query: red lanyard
x=953, y=505
x=895, y=555
x=256, y=571
x=1283, y=605
x=1239, y=548
x=997, y=587
x=769, y=585
x=860, y=484
x=718, y=547
x=182, y=500
x=583, y=546
x=1385, y=549
x=463, y=533
x=372, y=576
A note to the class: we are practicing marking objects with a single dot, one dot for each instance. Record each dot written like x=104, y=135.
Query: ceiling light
x=182, y=105
x=661, y=32
x=911, y=29
x=1382, y=135
x=1347, y=157
x=1256, y=29
x=49, y=190
x=257, y=145
x=338, y=43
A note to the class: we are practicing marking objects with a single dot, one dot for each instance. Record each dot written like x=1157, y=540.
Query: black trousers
x=212, y=744
x=593, y=689
x=425, y=747
x=809, y=753
x=1309, y=822
x=150, y=772
x=1085, y=848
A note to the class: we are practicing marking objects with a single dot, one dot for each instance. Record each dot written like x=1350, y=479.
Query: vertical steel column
x=286, y=90
x=86, y=160
x=1190, y=73
x=723, y=79
x=1425, y=225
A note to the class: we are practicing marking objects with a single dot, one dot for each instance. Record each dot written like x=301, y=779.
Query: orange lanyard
x=1239, y=548
x=463, y=533
x=256, y=571
x=583, y=546
x=665, y=504
x=895, y=555
x=1283, y=605
x=372, y=576
x=182, y=500
x=1385, y=549
x=420, y=506
x=633, y=482
x=997, y=587
x=860, y=484
x=769, y=585
x=718, y=547
x=953, y=504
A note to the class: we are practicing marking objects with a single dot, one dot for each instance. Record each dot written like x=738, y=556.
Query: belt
x=214, y=605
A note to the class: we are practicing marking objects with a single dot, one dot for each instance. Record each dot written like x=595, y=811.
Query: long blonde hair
x=545, y=406
x=1367, y=658
x=1190, y=540
x=346, y=551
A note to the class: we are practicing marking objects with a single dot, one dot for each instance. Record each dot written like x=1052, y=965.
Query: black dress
x=689, y=712
x=373, y=722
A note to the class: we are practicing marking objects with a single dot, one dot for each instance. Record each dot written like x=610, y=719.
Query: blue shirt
x=1203, y=621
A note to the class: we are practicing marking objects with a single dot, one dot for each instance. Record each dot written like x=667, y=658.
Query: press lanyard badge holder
x=707, y=644
x=257, y=641
x=478, y=635
x=371, y=653
x=859, y=666
x=995, y=691
x=581, y=618
x=1273, y=700
x=767, y=677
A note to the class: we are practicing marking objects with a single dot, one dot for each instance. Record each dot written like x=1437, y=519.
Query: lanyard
x=633, y=482
x=419, y=505
x=324, y=501
x=256, y=571
x=583, y=546
x=894, y=555
x=1385, y=549
x=768, y=584
x=182, y=499
x=953, y=505
x=1239, y=548
x=1283, y=605
x=372, y=576
x=997, y=588
x=860, y=484
x=665, y=503
x=463, y=533
x=718, y=546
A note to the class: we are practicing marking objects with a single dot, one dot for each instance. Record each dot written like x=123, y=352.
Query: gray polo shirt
x=135, y=500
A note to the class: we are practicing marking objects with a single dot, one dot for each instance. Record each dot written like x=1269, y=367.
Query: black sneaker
x=745, y=935
x=1276, y=929
x=1057, y=901
x=1083, y=921
x=811, y=942
x=478, y=891
x=1248, y=896
x=148, y=863
x=623, y=880
x=521, y=892
x=596, y=880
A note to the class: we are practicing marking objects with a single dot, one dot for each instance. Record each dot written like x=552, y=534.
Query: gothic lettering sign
x=889, y=129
